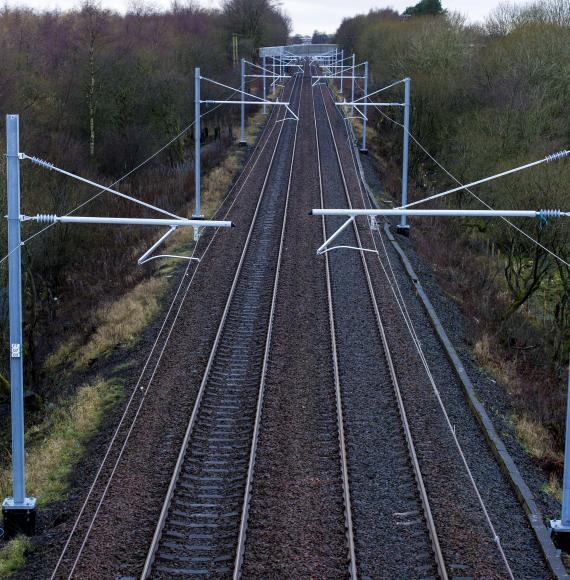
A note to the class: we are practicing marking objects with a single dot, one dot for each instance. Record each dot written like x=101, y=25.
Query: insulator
x=46, y=218
x=49, y=166
x=556, y=156
x=545, y=214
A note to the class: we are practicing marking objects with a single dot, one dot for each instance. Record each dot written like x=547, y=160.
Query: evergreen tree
x=425, y=8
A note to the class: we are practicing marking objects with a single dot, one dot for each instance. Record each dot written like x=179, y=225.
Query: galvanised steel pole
x=352, y=88
x=566, y=479
x=403, y=228
x=561, y=528
x=242, y=128
x=18, y=510
x=341, y=73
x=197, y=135
x=264, y=85
x=274, y=83
x=364, y=108
x=15, y=308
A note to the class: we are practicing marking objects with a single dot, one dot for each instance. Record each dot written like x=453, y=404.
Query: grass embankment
x=480, y=291
x=57, y=443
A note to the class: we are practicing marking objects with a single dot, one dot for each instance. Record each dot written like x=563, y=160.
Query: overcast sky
x=307, y=15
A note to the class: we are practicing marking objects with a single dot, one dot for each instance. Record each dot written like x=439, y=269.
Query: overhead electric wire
x=474, y=195
x=128, y=174
x=482, y=201
x=416, y=341
x=138, y=386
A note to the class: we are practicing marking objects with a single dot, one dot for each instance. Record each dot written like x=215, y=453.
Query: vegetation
x=425, y=8
x=58, y=442
x=98, y=93
x=13, y=554
x=485, y=99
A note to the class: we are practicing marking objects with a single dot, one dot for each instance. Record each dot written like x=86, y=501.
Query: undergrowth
x=470, y=272
x=56, y=444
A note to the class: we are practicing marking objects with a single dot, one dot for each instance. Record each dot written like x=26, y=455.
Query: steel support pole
x=242, y=126
x=561, y=528
x=274, y=83
x=341, y=69
x=18, y=509
x=197, y=144
x=404, y=228
x=15, y=307
x=264, y=85
x=352, y=86
x=364, y=109
x=566, y=479
x=337, y=56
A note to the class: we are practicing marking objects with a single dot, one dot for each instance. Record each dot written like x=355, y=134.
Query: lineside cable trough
x=19, y=510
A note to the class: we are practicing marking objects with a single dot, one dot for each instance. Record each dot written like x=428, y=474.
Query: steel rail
x=438, y=554
x=184, y=446
x=338, y=394
x=248, y=167
x=257, y=426
x=553, y=213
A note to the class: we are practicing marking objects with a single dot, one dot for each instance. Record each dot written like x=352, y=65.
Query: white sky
x=307, y=15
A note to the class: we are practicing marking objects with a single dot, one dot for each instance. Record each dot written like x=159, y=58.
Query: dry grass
x=117, y=324
x=55, y=446
x=12, y=556
x=554, y=487
x=536, y=440
x=504, y=371
x=120, y=324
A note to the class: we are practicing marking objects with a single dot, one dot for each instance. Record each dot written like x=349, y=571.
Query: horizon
x=324, y=15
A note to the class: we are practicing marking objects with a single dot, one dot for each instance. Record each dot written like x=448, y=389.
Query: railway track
x=204, y=516
x=150, y=426
x=409, y=508
x=468, y=526
x=302, y=486
x=406, y=545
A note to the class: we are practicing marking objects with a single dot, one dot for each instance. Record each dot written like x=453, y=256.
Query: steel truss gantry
x=19, y=510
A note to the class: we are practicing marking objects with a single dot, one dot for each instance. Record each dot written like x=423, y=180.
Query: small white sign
x=16, y=350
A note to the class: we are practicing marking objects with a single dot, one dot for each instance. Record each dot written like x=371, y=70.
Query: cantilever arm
x=147, y=257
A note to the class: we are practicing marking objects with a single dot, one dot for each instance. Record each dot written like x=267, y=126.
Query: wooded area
x=98, y=93
x=485, y=99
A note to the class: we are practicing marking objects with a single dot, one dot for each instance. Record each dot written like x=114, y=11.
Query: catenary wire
x=155, y=344
x=415, y=339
